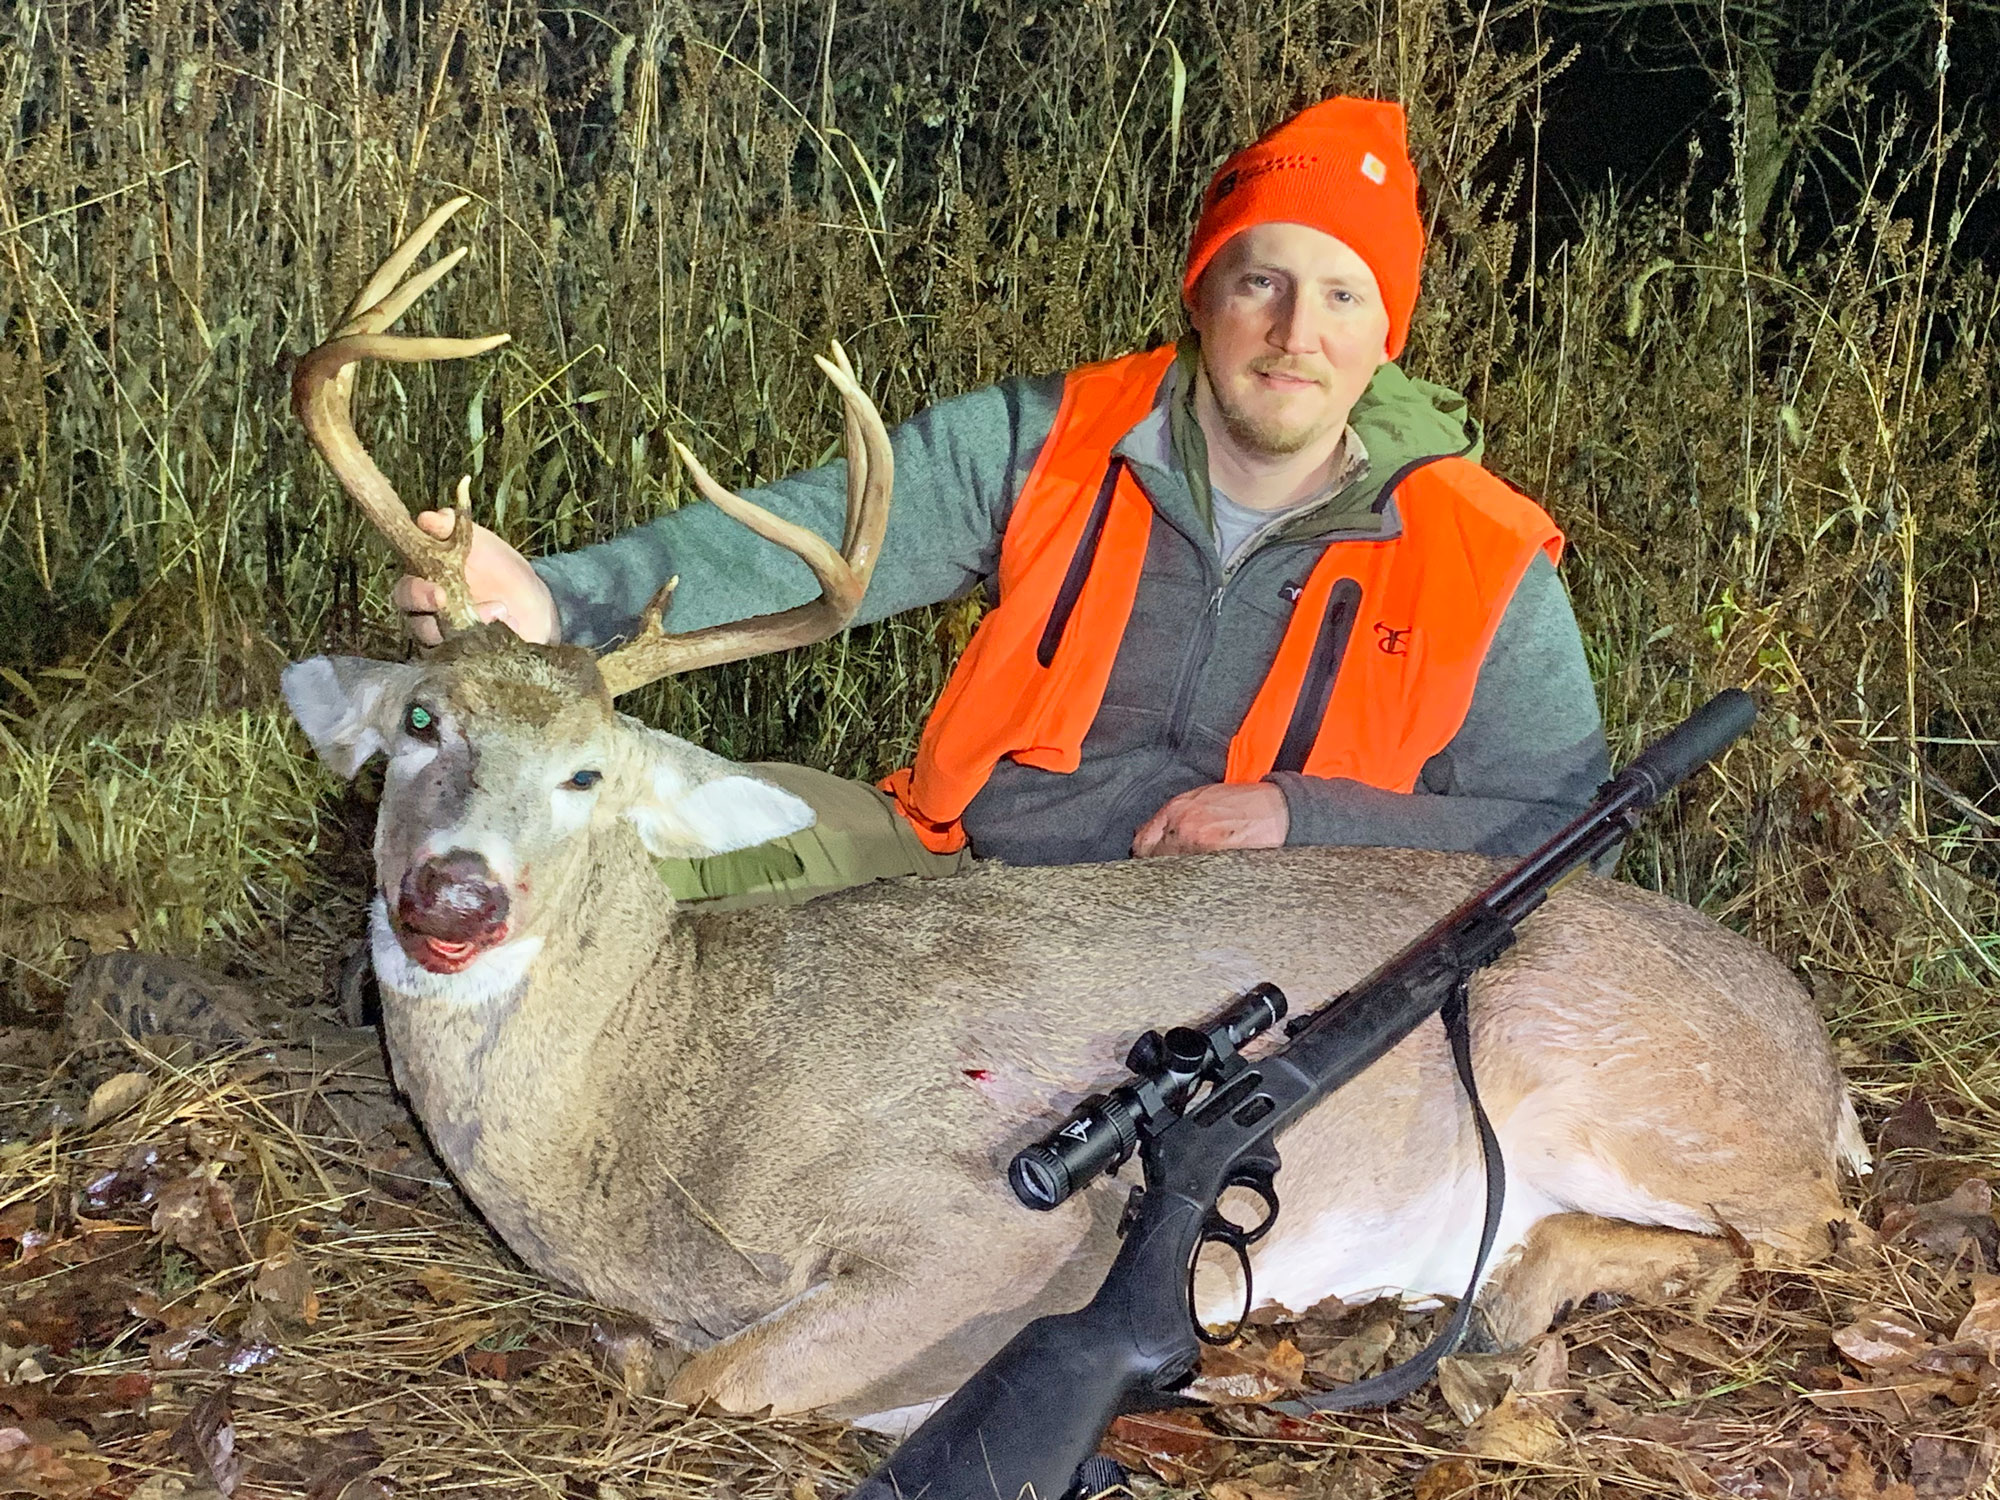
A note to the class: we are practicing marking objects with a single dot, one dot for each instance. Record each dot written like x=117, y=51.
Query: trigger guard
x=1219, y=1231
x=1259, y=1182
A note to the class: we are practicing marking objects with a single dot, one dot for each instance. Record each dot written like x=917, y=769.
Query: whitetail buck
x=779, y=1135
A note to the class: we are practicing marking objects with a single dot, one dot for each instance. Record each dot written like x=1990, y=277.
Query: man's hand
x=1222, y=816
x=502, y=585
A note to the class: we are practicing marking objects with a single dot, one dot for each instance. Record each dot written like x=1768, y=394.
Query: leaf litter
x=251, y=1280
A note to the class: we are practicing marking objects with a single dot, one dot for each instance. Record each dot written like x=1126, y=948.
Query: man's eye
x=583, y=781
x=419, y=722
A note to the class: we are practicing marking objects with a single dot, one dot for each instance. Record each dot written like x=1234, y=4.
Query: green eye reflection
x=420, y=722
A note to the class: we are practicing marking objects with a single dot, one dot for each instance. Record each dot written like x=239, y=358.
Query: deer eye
x=583, y=781
x=419, y=722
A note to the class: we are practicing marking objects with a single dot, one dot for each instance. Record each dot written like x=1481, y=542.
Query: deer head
x=507, y=761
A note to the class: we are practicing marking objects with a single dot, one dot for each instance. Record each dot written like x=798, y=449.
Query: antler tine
x=855, y=447
x=843, y=575
x=324, y=382
x=376, y=288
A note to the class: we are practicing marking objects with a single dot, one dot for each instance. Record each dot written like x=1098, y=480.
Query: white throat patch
x=495, y=975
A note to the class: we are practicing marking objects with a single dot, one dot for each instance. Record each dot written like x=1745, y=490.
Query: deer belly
x=1417, y=1246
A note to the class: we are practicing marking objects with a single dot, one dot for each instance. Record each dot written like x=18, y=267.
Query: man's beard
x=1268, y=436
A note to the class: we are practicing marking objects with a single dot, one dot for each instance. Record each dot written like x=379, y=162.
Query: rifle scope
x=1102, y=1132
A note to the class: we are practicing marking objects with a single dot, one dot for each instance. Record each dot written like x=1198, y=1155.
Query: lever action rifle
x=1203, y=1119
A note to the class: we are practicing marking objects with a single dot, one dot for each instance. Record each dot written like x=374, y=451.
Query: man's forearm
x=1328, y=810
x=958, y=466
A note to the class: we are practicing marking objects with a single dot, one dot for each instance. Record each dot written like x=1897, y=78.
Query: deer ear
x=348, y=706
x=693, y=803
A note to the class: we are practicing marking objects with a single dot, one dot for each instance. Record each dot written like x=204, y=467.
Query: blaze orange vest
x=1424, y=604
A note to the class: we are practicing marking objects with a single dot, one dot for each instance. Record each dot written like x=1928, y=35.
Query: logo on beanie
x=1236, y=177
x=1374, y=168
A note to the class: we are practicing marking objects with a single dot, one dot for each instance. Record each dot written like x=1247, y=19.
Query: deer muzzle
x=449, y=910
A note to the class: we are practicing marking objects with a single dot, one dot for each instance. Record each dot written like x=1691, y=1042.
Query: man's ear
x=692, y=803
x=348, y=706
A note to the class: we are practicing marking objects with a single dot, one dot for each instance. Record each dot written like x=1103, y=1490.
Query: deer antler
x=843, y=574
x=324, y=381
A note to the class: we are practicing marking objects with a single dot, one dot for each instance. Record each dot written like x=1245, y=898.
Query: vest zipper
x=1343, y=601
x=1080, y=563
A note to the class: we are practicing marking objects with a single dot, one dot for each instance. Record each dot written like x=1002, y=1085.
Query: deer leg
x=869, y=1338
x=1566, y=1257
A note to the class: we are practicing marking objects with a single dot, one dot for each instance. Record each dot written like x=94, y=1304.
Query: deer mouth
x=442, y=955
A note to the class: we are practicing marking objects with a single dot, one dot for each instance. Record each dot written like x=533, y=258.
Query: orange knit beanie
x=1342, y=167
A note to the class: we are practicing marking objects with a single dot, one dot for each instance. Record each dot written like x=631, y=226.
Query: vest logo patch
x=1391, y=641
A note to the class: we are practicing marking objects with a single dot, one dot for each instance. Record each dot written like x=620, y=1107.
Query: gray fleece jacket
x=1528, y=757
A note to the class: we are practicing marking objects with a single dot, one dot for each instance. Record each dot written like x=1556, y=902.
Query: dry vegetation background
x=1762, y=406
x=1771, y=443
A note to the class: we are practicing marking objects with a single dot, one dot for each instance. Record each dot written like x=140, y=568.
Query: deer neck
x=507, y=1049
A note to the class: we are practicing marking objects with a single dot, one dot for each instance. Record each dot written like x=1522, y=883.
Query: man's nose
x=1294, y=329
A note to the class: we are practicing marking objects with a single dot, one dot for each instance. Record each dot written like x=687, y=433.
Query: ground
x=245, y=1275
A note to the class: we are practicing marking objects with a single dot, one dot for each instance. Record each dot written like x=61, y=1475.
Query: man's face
x=1292, y=327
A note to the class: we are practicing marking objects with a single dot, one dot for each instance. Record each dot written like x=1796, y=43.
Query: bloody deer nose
x=453, y=897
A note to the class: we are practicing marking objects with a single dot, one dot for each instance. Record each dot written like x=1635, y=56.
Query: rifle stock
x=1036, y=1410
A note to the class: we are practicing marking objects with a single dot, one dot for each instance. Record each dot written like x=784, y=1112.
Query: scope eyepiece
x=1258, y=1011
x=1100, y=1133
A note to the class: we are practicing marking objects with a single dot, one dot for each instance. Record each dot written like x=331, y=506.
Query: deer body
x=795, y=1121
x=780, y=1135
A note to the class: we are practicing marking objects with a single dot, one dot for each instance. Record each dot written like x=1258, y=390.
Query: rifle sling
x=1399, y=1380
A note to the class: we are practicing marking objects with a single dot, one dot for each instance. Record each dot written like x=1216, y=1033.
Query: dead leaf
x=1340, y=1358
x=1519, y=1430
x=17, y=1222
x=1174, y=1446
x=1981, y=1323
x=337, y=1467
x=1881, y=1340
x=284, y=1281
x=445, y=1287
x=1944, y=1227
x=1547, y=1366
x=194, y=1212
x=1702, y=1345
x=1896, y=1397
x=105, y=930
x=504, y=1364
x=1912, y=1125
x=1951, y=1468
x=48, y=1460
x=114, y=1096
x=1447, y=1479
x=1472, y=1384
x=207, y=1439
x=1236, y=1374
x=1857, y=1482
x=1246, y=1489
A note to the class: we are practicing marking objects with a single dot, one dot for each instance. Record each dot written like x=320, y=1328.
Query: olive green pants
x=858, y=836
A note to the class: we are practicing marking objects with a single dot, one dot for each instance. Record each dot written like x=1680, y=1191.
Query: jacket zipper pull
x=1215, y=602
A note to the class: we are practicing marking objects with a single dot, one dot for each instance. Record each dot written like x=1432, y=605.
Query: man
x=1253, y=590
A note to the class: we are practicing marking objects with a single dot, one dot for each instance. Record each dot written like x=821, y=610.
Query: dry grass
x=1771, y=450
